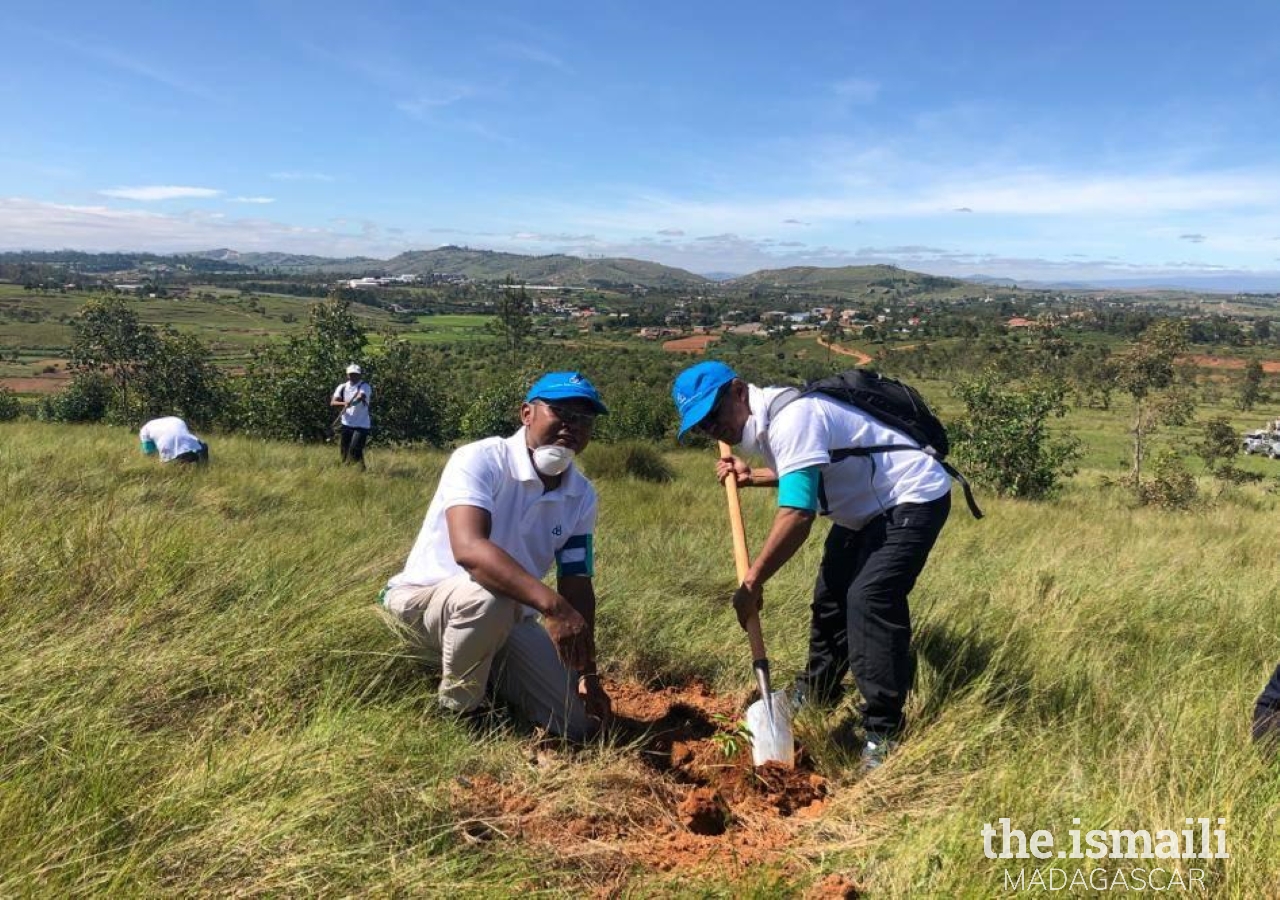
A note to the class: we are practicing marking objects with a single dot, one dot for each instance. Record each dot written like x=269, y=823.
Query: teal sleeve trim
x=149, y=447
x=576, y=557
x=799, y=490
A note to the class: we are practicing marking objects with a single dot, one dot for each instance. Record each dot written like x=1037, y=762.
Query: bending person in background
x=1266, y=714
x=353, y=395
x=170, y=438
x=886, y=510
x=506, y=510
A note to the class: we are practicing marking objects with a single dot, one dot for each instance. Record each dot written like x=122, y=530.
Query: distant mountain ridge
x=837, y=279
x=562, y=269
x=492, y=265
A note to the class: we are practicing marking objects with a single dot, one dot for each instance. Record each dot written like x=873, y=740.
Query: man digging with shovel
x=887, y=509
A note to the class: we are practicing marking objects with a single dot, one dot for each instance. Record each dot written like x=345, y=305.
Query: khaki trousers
x=481, y=641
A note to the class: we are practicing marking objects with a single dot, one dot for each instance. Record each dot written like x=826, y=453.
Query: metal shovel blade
x=769, y=720
x=770, y=724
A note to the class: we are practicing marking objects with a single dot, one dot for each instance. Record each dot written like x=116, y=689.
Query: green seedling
x=732, y=735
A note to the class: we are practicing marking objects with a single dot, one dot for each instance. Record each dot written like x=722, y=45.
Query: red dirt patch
x=696, y=344
x=862, y=358
x=684, y=797
x=38, y=384
x=1226, y=362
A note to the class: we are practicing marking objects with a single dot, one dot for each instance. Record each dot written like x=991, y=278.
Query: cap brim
x=697, y=412
x=558, y=395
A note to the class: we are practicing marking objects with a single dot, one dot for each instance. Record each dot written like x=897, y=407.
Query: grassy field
x=198, y=696
x=449, y=329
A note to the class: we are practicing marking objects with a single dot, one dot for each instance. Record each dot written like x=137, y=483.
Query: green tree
x=10, y=407
x=408, y=393
x=285, y=392
x=512, y=320
x=180, y=378
x=1251, y=392
x=107, y=337
x=1004, y=441
x=1146, y=372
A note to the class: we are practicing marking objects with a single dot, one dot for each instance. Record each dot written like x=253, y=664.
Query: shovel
x=769, y=718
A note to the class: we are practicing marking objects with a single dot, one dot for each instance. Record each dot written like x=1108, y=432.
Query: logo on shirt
x=557, y=531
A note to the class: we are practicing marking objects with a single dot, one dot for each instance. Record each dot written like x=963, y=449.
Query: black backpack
x=893, y=403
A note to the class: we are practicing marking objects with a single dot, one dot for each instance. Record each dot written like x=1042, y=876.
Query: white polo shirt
x=528, y=522
x=356, y=415
x=171, y=437
x=858, y=488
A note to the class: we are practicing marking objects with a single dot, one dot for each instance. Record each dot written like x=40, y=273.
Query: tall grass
x=197, y=695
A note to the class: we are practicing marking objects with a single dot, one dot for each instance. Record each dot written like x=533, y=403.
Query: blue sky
x=1030, y=140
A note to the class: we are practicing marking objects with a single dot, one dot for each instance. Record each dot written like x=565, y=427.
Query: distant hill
x=293, y=263
x=103, y=263
x=995, y=281
x=844, y=280
x=488, y=265
x=554, y=269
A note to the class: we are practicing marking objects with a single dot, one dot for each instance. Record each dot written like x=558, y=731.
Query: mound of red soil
x=694, y=801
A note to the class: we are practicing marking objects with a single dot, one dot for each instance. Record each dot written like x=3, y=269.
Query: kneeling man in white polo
x=505, y=511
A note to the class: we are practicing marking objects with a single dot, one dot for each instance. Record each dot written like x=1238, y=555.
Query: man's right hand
x=570, y=634
x=740, y=470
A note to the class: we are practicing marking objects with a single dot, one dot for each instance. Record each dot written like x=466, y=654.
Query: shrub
x=10, y=407
x=1003, y=441
x=1171, y=485
x=86, y=399
x=493, y=411
x=628, y=459
x=637, y=412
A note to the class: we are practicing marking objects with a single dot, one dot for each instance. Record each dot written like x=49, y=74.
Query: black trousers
x=1266, y=713
x=194, y=456
x=353, y=441
x=861, y=619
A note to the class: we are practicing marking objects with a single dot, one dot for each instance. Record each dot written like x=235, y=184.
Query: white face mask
x=552, y=459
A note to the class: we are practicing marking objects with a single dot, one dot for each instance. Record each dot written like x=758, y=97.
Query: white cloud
x=426, y=100
x=531, y=53
x=129, y=63
x=1082, y=200
x=253, y=200
x=27, y=224
x=159, y=192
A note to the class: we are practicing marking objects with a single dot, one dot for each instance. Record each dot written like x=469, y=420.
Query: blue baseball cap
x=566, y=386
x=695, y=391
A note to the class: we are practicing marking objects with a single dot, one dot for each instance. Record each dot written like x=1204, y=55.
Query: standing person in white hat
x=354, y=395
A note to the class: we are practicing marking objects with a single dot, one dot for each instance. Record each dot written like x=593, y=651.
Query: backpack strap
x=845, y=453
x=795, y=393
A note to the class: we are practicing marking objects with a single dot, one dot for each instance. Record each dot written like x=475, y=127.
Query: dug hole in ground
x=677, y=791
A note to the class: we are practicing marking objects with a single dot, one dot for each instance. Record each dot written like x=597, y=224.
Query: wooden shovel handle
x=740, y=558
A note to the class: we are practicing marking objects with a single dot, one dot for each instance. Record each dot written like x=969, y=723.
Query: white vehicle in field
x=1264, y=442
